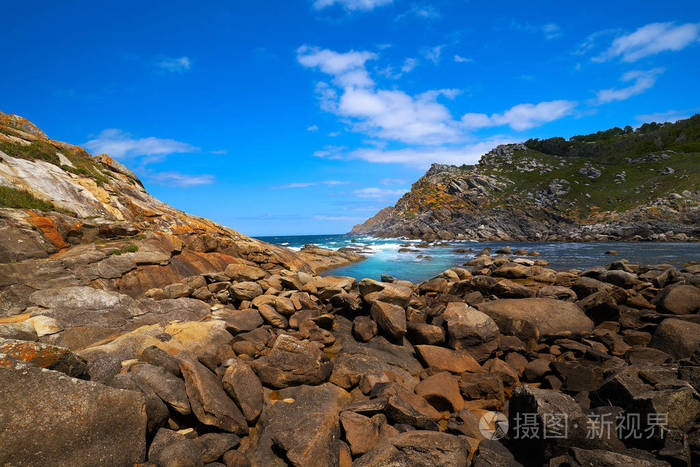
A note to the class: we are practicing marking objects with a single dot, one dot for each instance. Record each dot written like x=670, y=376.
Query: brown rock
x=679, y=299
x=419, y=448
x=447, y=359
x=209, y=402
x=243, y=272
x=292, y=362
x=364, y=328
x=441, y=391
x=467, y=326
x=390, y=318
x=241, y=383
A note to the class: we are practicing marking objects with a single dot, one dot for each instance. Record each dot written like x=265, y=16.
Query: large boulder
x=679, y=299
x=41, y=356
x=167, y=386
x=299, y=426
x=537, y=317
x=390, y=318
x=677, y=337
x=372, y=290
x=468, y=327
x=241, y=383
x=208, y=399
x=48, y=418
x=292, y=362
x=418, y=448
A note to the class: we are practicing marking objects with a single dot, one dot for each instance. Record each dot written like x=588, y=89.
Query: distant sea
x=383, y=256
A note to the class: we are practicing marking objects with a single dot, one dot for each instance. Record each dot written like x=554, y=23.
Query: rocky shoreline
x=290, y=368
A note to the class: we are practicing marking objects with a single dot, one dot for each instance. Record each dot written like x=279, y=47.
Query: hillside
x=618, y=184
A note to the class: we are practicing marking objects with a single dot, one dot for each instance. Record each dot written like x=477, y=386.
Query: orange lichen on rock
x=48, y=229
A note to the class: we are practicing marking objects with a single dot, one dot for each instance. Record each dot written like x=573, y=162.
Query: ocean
x=384, y=257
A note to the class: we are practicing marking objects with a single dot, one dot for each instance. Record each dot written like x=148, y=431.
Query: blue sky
x=308, y=116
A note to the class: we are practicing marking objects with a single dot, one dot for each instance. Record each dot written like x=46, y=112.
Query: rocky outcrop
x=519, y=192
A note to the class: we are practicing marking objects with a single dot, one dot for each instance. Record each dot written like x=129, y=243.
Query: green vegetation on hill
x=20, y=199
x=615, y=144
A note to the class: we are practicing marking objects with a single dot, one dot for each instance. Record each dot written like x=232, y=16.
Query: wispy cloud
x=668, y=116
x=174, y=64
x=460, y=59
x=312, y=128
x=351, y=5
x=309, y=184
x=548, y=30
x=651, y=39
x=374, y=192
x=121, y=145
x=522, y=116
x=409, y=64
x=392, y=181
x=641, y=81
x=432, y=53
x=423, y=11
x=180, y=179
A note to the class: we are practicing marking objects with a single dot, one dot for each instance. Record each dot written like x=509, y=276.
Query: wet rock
x=447, y=359
x=390, y=318
x=298, y=426
x=420, y=448
x=441, y=390
x=52, y=417
x=244, y=387
x=677, y=337
x=364, y=328
x=167, y=386
x=624, y=279
x=537, y=317
x=292, y=362
x=208, y=399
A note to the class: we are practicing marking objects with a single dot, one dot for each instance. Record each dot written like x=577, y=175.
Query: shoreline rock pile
x=501, y=362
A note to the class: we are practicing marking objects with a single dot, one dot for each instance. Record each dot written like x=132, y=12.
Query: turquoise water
x=384, y=257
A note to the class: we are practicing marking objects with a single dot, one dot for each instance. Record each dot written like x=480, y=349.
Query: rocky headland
x=614, y=185
x=133, y=333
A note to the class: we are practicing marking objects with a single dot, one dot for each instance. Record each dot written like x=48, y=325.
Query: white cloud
x=373, y=192
x=420, y=11
x=312, y=128
x=641, y=81
x=408, y=65
x=423, y=157
x=592, y=41
x=652, y=39
x=661, y=117
x=175, y=64
x=351, y=4
x=309, y=184
x=348, y=69
x=551, y=31
x=179, y=179
x=433, y=53
x=120, y=145
x=460, y=59
x=522, y=116
x=398, y=116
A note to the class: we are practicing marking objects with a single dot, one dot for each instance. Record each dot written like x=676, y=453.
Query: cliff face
x=70, y=219
x=613, y=185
